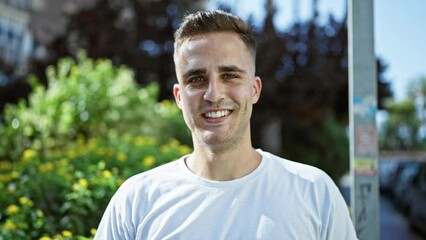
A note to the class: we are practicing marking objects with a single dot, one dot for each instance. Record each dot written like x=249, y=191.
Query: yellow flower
x=106, y=174
x=93, y=231
x=5, y=178
x=62, y=163
x=164, y=148
x=12, y=209
x=45, y=238
x=83, y=182
x=150, y=140
x=25, y=201
x=8, y=177
x=149, y=161
x=9, y=225
x=119, y=181
x=184, y=149
x=122, y=157
x=4, y=165
x=138, y=140
x=40, y=213
x=73, y=71
x=166, y=103
x=29, y=153
x=92, y=143
x=14, y=174
x=173, y=142
x=45, y=167
x=71, y=154
x=66, y=233
x=80, y=185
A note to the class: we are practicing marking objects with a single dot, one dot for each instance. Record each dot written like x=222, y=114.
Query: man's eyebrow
x=231, y=68
x=193, y=72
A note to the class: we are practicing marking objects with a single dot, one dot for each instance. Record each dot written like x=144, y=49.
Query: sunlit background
x=399, y=33
x=85, y=102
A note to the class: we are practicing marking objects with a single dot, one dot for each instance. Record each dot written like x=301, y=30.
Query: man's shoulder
x=300, y=176
x=168, y=169
x=295, y=169
x=152, y=177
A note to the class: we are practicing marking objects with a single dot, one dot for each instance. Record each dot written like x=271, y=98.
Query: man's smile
x=217, y=114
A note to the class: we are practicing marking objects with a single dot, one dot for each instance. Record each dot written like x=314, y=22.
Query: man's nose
x=214, y=91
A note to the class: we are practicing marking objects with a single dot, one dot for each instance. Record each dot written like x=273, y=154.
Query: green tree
x=417, y=92
x=400, y=131
x=86, y=97
x=138, y=34
x=326, y=147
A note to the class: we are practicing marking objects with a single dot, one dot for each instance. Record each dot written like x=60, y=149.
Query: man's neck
x=223, y=165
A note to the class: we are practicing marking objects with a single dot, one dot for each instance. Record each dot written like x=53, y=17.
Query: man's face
x=217, y=88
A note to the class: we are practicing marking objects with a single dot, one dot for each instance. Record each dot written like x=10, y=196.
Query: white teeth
x=217, y=114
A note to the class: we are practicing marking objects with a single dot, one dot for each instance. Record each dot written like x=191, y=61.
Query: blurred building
x=16, y=40
x=26, y=26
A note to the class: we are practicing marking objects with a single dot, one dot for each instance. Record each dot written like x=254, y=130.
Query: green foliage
x=417, y=92
x=63, y=195
x=405, y=126
x=64, y=154
x=417, y=88
x=87, y=97
x=400, y=131
x=326, y=148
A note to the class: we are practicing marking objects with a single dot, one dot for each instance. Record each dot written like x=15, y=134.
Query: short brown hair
x=203, y=22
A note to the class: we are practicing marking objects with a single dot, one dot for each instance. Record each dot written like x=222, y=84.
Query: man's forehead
x=211, y=38
x=211, y=50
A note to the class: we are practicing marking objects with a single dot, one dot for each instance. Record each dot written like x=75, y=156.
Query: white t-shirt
x=280, y=199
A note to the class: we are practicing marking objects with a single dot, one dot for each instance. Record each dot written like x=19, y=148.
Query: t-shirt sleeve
x=116, y=221
x=338, y=224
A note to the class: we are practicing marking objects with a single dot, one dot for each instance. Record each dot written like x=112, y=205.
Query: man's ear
x=257, y=89
x=176, y=93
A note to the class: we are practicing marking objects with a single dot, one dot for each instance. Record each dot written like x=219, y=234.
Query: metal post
x=362, y=120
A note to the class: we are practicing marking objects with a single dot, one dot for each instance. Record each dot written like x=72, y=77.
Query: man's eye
x=229, y=76
x=195, y=80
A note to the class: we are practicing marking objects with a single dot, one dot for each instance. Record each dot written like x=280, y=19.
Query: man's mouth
x=217, y=114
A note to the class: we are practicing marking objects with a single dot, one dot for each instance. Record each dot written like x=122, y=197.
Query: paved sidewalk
x=393, y=225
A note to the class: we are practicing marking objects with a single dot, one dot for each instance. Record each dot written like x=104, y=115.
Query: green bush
x=315, y=149
x=65, y=194
x=65, y=152
x=87, y=97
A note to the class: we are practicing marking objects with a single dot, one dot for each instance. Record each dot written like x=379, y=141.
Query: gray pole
x=362, y=120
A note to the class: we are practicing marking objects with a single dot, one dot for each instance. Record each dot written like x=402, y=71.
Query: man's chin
x=216, y=142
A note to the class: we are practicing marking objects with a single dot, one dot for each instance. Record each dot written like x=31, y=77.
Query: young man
x=225, y=189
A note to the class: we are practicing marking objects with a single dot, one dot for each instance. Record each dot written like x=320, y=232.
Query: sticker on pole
x=365, y=140
x=365, y=107
x=365, y=166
